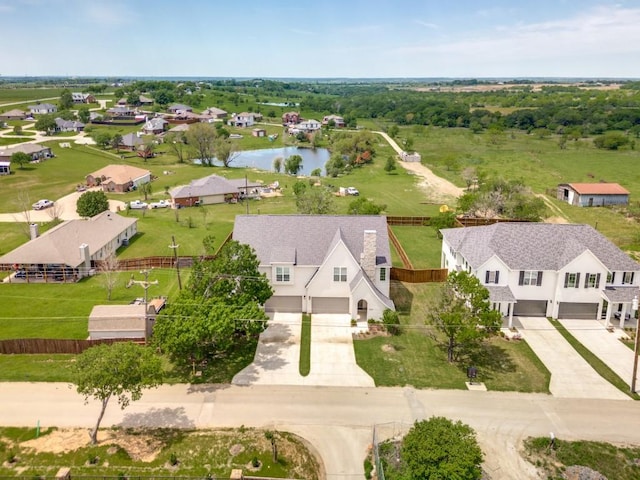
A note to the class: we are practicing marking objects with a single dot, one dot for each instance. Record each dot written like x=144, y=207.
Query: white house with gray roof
x=546, y=270
x=322, y=263
x=212, y=189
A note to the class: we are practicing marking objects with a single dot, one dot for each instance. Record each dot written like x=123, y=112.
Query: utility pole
x=637, y=346
x=174, y=247
x=144, y=283
x=246, y=193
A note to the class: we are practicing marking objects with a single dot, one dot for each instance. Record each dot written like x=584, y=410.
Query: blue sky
x=324, y=38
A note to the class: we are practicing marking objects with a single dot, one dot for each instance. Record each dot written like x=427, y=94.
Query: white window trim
x=286, y=269
x=340, y=274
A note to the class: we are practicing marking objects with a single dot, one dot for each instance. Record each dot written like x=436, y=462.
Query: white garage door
x=530, y=308
x=329, y=305
x=288, y=304
x=579, y=311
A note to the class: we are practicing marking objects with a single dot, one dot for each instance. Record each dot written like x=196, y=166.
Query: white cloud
x=110, y=14
x=427, y=24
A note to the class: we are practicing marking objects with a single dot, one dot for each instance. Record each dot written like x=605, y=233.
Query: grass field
x=10, y=95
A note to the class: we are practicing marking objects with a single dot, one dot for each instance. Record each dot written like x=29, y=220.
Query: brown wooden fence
x=408, y=221
x=419, y=276
x=396, y=243
x=54, y=345
x=460, y=221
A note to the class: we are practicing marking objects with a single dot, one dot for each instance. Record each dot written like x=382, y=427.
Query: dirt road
x=437, y=189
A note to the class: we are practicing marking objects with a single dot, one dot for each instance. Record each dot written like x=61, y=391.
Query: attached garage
x=530, y=308
x=288, y=304
x=329, y=305
x=580, y=311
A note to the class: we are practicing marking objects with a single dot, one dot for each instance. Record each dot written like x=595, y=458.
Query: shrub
x=173, y=459
x=391, y=321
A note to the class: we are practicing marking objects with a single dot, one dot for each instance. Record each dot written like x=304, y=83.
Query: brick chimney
x=368, y=255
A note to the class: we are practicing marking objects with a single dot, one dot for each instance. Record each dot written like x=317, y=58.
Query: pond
x=263, y=159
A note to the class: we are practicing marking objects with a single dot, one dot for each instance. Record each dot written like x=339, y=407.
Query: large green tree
x=120, y=370
x=66, y=100
x=463, y=314
x=220, y=306
x=45, y=123
x=293, y=164
x=92, y=203
x=316, y=201
x=441, y=449
x=201, y=138
x=364, y=206
x=20, y=158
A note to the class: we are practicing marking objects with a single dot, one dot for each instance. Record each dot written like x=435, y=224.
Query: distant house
x=306, y=126
x=210, y=190
x=124, y=321
x=131, y=141
x=242, y=120
x=14, y=114
x=322, y=263
x=83, y=98
x=5, y=168
x=182, y=127
x=121, y=111
x=34, y=150
x=145, y=100
x=68, y=125
x=259, y=132
x=155, y=126
x=42, y=108
x=338, y=122
x=179, y=108
x=593, y=194
x=118, y=178
x=290, y=118
x=216, y=113
x=72, y=248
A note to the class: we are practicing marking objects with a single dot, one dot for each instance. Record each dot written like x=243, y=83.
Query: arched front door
x=362, y=311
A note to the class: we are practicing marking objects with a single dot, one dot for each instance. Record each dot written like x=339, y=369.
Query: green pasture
x=31, y=95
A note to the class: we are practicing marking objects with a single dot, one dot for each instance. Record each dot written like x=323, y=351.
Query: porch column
x=510, y=314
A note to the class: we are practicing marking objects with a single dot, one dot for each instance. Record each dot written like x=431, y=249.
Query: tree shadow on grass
x=489, y=359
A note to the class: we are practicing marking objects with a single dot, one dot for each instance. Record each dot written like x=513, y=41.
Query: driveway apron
x=571, y=375
x=603, y=344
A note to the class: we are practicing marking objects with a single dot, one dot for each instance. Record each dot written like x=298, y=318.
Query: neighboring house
x=291, y=118
x=155, y=126
x=121, y=111
x=131, y=141
x=72, y=247
x=593, y=194
x=146, y=101
x=322, y=263
x=545, y=270
x=338, y=122
x=179, y=108
x=410, y=157
x=5, y=168
x=36, y=151
x=306, y=126
x=259, y=132
x=83, y=98
x=182, y=127
x=243, y=119
x=216, y=113
x=133, y=321
x=210, y=190
x=14, y=114
x=68, y=125
x=42, y=108
x=118, y=178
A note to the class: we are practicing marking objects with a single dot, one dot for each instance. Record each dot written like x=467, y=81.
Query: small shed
x=259, y=132
x=593, y=194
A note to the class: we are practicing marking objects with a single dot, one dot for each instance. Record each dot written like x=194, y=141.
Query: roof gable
x=598, y=188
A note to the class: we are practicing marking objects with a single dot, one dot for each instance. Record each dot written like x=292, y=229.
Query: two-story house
x=322, y=263
x=545, y=270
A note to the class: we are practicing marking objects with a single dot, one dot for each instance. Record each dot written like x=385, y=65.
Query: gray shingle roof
x=60, y=245
x=211, y=185
x=309, y=237
x=498, y=293
x=535, y=246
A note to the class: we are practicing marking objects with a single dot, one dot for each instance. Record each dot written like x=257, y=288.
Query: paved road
x=338, y=421
x=571, y=375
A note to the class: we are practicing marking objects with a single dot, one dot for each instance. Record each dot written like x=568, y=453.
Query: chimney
x=33, y=231
x=368, y=255
x=85, y=256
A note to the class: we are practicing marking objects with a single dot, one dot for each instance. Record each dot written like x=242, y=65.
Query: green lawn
x=30, y=95
x=12, y=141
x=62, y=310
x=421, y=244
x=415, y=358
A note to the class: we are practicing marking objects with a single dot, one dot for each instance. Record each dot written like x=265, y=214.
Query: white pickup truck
x=137, y=205
x=160, y=204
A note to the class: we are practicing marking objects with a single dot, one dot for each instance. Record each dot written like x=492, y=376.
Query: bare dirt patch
x=139, y=447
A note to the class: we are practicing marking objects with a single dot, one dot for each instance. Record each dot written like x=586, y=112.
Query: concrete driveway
x=604, y=344
x=571, y=375
x=333, y=361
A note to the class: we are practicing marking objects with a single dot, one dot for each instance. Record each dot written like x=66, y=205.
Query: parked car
x=352, y=191
x=41, y=204
x=138, y=205
x=160, y=204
